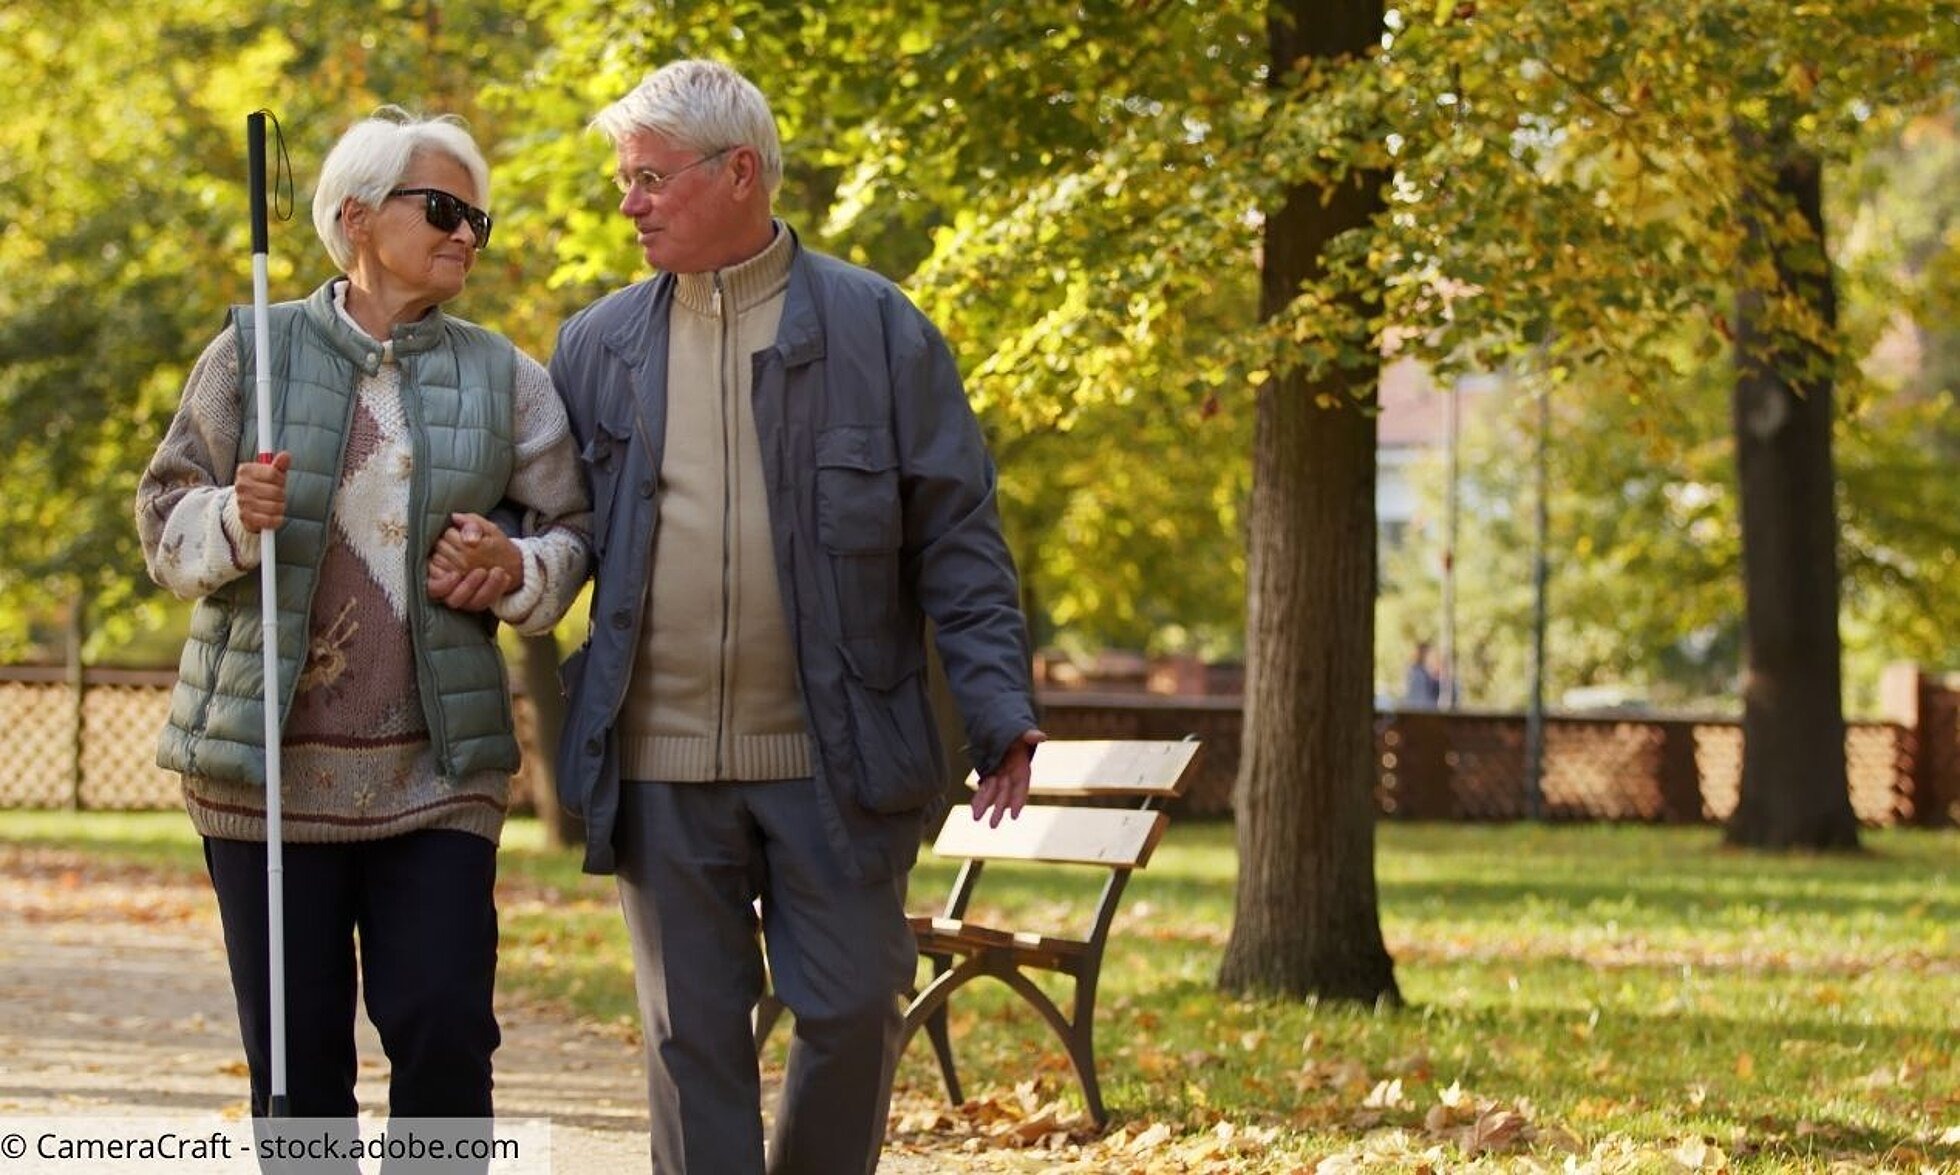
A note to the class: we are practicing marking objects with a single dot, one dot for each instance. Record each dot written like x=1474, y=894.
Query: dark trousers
x=693, y=860
x=422, y=907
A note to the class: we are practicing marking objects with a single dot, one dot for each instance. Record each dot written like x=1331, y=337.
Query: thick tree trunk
x=540, y=668
x=1307, y=921
x=1794, y=793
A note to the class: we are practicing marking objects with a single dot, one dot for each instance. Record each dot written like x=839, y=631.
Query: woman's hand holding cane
x=261, y=488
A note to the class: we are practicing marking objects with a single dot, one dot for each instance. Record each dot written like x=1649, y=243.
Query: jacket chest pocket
x=604, y=459
x=860, y=526
x=857, y=491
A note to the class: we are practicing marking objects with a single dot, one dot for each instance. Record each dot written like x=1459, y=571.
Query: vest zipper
x=418, y=605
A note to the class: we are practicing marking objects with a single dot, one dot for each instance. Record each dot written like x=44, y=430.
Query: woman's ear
x=354, y=218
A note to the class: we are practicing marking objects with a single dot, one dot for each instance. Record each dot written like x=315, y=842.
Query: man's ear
x=748, y=169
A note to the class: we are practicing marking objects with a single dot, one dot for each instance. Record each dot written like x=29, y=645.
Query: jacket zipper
x=723, y=396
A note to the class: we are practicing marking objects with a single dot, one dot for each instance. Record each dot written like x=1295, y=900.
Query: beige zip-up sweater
x=714, y=693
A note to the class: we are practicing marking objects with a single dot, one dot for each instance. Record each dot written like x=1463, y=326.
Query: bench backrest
x=1126, y=781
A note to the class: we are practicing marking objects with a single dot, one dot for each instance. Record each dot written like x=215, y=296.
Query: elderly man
x=788, y=482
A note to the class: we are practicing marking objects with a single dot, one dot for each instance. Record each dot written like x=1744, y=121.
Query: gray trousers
x=693, y=858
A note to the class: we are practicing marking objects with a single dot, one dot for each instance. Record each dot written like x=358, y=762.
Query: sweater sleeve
x=186, y=506
x=554, y=537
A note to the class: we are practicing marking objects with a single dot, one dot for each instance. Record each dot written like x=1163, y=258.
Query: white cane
x=275, y=863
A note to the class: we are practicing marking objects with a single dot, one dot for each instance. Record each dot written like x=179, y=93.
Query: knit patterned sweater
x=357, y=761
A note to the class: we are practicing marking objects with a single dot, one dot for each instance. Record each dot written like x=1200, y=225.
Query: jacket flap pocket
x=881, y=662
x=855, y=446
x=607, y=444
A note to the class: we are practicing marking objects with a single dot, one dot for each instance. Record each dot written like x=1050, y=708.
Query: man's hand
x=1004, y=790
x=474, y=564
x=261, y=489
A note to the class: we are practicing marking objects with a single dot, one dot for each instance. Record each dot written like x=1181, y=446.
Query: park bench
x=1109, y=817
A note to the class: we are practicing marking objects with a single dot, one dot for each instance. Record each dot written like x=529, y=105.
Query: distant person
x=1422, y=686
x=398, y=430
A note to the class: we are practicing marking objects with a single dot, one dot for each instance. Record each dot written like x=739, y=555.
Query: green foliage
x=1901, y=260
x=1571, y=175
x=1644, y=495
x=1076, y=193
x=1046, y=181
x=137, y=240
x=103, y=282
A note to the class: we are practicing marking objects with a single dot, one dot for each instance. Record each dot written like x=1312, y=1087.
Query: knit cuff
x=515, y=607
x=244, y=542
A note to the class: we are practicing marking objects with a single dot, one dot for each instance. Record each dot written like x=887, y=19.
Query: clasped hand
x=474, y=563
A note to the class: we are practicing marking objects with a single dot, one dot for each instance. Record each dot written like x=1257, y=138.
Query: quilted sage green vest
x=456, y=390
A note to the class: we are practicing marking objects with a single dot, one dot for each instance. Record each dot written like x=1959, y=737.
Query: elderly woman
x=397, y=430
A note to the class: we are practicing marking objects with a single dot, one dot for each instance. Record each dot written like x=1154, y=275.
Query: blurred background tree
x=125, y=238
x=949, y=148
x=1080, y=193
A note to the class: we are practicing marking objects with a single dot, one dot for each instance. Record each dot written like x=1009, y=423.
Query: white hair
x=370, y=160
x=701, y=105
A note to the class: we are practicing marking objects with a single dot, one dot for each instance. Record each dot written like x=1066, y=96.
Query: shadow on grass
x=1684, y=899
x=1813, y=1144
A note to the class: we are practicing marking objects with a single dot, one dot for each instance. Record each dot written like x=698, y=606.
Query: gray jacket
x=881, y=500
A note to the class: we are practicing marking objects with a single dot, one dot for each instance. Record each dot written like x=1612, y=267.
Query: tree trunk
x=540, y=667
x=1307, y=920
x=1794, y=792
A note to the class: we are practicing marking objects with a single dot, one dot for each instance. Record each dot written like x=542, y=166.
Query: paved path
x=114, y=1001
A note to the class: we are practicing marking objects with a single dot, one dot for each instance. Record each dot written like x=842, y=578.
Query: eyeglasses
x=651, y=182
x=445, y=212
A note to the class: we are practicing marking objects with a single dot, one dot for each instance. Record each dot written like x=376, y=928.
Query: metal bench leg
x=1082, y=1045
x=942, y=1044
x=1078, y=1039
x=928, y=1011
x=1085, y=1069
x=942, y=1040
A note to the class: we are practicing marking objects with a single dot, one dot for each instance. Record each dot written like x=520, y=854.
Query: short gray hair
x=702, y=105
x=370, y=160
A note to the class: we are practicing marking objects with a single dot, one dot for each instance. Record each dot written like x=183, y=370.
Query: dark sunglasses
x=445, y=212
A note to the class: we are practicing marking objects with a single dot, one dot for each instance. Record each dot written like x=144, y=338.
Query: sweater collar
x=744, y=285
x=324, y=310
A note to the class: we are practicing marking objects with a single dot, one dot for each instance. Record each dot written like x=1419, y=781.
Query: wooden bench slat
x=1091, y=767
x=1119, y=838
x=956, y=934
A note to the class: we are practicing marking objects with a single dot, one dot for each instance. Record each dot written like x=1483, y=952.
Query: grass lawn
x=1579, y=997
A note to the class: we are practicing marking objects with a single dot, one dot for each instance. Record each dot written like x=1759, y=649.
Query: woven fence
x=1438, y=765
x=94, y=748
x=102, y=755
